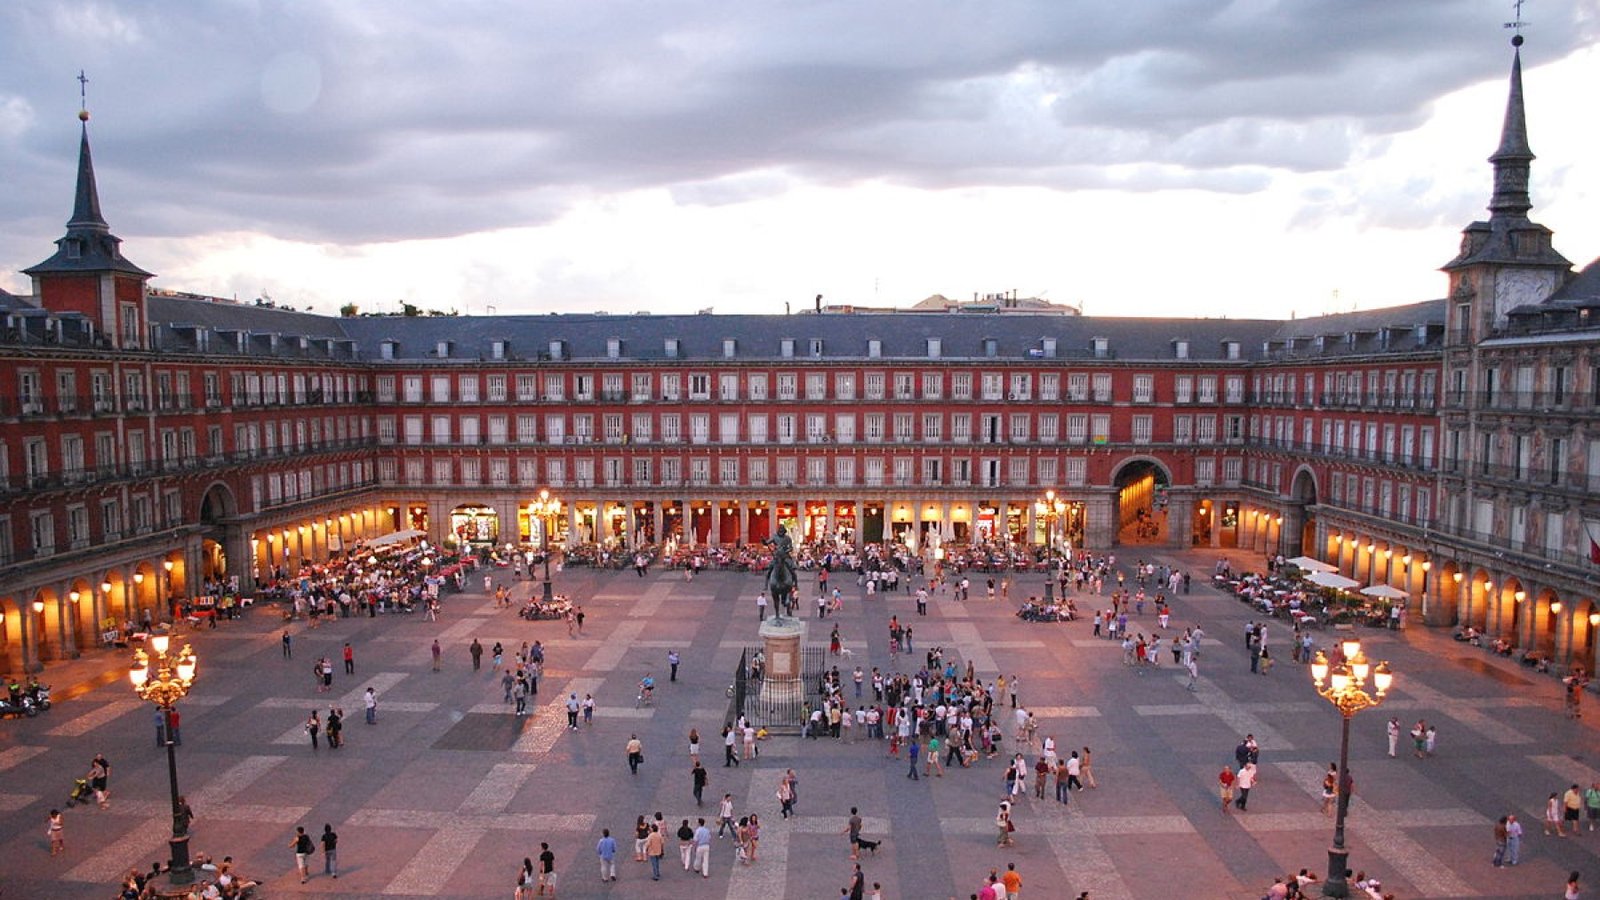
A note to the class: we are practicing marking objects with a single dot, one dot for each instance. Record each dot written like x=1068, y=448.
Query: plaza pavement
x=448, y=792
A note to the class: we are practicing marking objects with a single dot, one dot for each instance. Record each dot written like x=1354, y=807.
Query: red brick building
x=155, y=441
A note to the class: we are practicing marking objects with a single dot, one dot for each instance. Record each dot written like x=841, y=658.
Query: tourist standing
x=56, y=830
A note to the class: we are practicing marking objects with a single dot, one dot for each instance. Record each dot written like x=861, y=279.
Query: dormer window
x=816, y=348
x=613, y=348
x=74, y=248
x=991, y=347
x=1180, y=349
x=1048, y=346
x=386, y=349
x=730, y=348
x=558, y=349
x=671, y=347
x=497, y=349
x=874, y=348
x=1102, y=346
x=1230, y=349
x=786, y=348
x=935, y=348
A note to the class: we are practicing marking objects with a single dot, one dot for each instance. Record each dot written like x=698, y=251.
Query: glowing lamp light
x=138, y=578
x=160, y=642
x=1405, y=560
x=38, y=606
x=1521, y=596
x=1594, y=618
x=1319, y=668
x=1388, y=554
x=1555, y=606
x=73, y=596
x=140, y=671
x=1427, y=565
x=1382, y=677
x=105, y=587
x=186, y=664
x=167, y=564
x=1341, y=678
x=1456, y=577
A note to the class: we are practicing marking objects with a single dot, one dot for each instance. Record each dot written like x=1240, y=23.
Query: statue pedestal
x=782, y=688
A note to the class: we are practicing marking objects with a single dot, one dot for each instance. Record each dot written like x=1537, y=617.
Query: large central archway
x=1141, y=501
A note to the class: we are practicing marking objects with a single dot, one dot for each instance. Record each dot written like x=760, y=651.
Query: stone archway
x=1299, y=529
x=1141, y=485
x=224, y=541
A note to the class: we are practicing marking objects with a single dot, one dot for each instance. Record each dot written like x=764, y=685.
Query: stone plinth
x=781, y=639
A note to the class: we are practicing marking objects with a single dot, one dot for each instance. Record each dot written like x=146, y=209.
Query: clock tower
x=88, y=274
x=1506, y=262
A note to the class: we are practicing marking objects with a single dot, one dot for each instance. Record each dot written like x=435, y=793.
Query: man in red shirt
x=1225, y=779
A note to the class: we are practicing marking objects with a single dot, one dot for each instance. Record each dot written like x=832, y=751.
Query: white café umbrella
x=1385, y=591
x=1307, y=564
x=1330, y=580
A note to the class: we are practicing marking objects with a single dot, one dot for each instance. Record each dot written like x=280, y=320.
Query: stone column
x=1180, y=520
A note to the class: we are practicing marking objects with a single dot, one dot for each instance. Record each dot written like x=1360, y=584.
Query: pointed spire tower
x=1507, y=262
x=88, y=273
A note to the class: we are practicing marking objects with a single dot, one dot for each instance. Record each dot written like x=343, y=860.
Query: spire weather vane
x=83, y=96
x=1518, y=23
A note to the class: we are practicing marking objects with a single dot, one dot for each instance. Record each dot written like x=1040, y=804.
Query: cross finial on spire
x=83, y=96
x=1517, y=24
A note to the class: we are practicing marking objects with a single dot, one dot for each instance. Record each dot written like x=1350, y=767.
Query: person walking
x=728, y=757
x=1499, y=842
x=912, y=751
x=1246, y=781
x=371, y=702
x=686, y=844
x=1225, y=780
x=55, y=829
x=672, y=663
x=476, y=649
x=1572, y=809
x=785, y=798
x=853, y=828
x=1552, y=815
x=330, y=851
x=573, y=706
x=725, y=815
x=313, y=727
x=349, y=659
x=698, y=776
x=437, y=652
x=1004, y=826
x=702, y=848
x=498, y=655
x=635, y=753
x=525, y=880
x=1393, y=729
x=303, y=849
x=655, y=847
x=1086, y=770
x=547, y=870
x=288, y=645
x=1012, y=881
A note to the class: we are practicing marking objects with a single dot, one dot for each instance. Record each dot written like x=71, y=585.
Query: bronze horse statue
x=783, y=583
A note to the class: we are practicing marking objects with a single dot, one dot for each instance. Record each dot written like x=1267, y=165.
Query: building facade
x=154, y=443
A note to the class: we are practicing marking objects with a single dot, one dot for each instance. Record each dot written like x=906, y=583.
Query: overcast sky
x=1155, y=157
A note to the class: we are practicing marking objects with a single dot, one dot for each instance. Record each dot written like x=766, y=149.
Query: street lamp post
x=171, y=680
x=1346, y=689
x=546, y=508
x=1051, y=509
